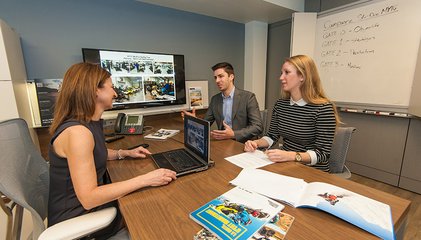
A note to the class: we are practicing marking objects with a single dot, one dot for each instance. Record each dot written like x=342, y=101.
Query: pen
x=112, y=139
x=384, y=113
x=400, y=114
x=370, y=111
x=145, y=145
x=263, y=149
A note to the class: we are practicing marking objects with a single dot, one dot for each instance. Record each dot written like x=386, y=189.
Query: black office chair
x=24, y=179
x=339, y=152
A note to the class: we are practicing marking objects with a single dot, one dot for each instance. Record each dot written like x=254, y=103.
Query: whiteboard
x=366, y=54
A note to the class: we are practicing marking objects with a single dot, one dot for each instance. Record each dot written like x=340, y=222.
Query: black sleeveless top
x=63, y=203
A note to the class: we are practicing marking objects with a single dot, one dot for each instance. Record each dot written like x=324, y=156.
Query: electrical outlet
x=108, y=123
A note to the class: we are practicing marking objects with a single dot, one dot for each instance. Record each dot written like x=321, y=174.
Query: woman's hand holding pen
x=277, y=155
x=250, y=146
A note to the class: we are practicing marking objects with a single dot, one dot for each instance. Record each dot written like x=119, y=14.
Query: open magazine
x=366, y=213
x=236, y=214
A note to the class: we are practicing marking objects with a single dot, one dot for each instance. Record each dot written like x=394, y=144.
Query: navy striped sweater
x=303, y=128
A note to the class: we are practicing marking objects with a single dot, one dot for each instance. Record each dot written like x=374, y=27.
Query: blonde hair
x=77, y=96
x=311, y=88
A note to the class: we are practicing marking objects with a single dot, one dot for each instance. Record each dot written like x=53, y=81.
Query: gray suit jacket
x=246, y=121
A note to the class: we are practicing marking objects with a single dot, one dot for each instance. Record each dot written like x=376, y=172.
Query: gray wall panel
x=54, y=31
x=382, y=176
x=279, y=38
x=379, y=141
x=412, y=161
x=410, y=184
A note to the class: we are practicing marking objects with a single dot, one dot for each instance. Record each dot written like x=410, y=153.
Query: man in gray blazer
x=235, y=111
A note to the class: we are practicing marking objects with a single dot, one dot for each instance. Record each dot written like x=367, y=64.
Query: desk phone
x=128, y=124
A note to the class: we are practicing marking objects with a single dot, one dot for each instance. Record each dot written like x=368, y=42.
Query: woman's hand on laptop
x=139, y=152
x=158, y=177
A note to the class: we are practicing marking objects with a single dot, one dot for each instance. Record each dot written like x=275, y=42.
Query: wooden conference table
x=163, y=212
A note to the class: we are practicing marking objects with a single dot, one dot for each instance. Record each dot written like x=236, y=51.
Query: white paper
x=254, y=159
x=276, y=186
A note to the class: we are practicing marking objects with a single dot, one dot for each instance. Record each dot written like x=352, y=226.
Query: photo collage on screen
x=140, y=77
x=196, y=136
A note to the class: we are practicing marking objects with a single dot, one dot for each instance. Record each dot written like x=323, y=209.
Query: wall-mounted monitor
x=142, y=79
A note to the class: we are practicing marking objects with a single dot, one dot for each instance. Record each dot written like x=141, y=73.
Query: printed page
x=366, y=213
x=276, y=228
x=195, y=94
x=276, y=186
x=256, y=159
x=205, y=234
x=162, y=134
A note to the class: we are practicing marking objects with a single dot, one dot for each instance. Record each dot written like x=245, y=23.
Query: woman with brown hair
x=79, y=182
x=304, y=117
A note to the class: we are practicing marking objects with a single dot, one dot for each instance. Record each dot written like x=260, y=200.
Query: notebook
x=194, y=157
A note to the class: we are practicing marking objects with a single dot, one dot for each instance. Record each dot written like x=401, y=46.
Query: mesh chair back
x=264, y=117
x=339, y=149
x=24, y=176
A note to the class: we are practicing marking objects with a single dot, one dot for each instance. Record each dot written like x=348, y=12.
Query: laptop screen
x=196, y=136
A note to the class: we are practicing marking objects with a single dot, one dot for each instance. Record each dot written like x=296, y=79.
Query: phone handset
x=128, y=124
x=119, y=122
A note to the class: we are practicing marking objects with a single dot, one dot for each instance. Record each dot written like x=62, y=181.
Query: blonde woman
x=304, y=117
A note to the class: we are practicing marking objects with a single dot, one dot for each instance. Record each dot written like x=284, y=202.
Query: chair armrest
x=80, y=226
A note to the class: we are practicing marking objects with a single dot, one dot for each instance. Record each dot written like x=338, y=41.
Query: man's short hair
x=226, y=66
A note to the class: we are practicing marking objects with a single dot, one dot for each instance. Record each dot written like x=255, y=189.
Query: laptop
x=195, y=156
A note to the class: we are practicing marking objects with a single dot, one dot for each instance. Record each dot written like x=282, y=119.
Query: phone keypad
x=132, y=130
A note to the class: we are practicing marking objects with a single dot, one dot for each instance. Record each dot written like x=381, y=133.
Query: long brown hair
x=77, y=96
x=311, y=89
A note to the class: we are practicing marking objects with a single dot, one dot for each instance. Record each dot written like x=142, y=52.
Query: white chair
x=339, y=152
x=24, y=179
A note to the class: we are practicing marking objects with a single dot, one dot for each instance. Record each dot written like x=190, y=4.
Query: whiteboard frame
x=296, y=50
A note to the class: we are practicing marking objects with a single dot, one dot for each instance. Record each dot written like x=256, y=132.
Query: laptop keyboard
x=180, y=160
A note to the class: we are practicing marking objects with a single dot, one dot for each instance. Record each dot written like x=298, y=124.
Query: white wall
x=255, y=60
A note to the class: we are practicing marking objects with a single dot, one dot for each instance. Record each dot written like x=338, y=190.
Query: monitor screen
x=142, y=79
x=196, y=136
x=132, y=119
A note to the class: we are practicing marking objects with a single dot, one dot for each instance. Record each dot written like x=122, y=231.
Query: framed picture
x=197, y=94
